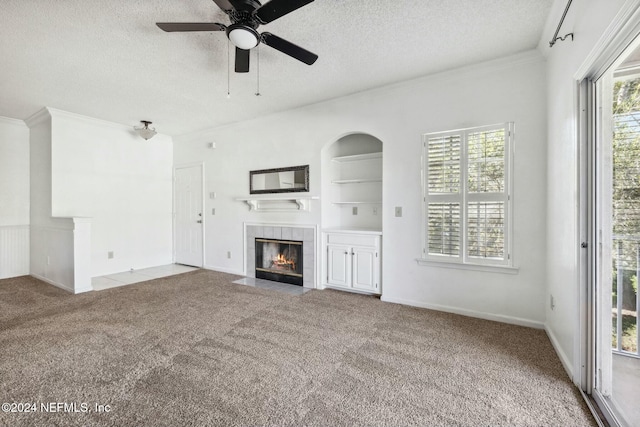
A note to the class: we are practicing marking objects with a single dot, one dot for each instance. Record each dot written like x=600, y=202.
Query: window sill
x=477, y=267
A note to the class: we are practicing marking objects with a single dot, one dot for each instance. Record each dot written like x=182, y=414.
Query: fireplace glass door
x=279, y=260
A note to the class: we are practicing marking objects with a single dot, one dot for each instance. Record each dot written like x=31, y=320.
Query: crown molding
x=532, y=56
x=38, y=117
x=86, y=119
x=100, y=122
x=13, y=122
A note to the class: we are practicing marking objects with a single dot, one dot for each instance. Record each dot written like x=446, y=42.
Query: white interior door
x=188, y=223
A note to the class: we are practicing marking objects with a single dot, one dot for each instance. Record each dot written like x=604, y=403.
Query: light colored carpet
x=195, y=349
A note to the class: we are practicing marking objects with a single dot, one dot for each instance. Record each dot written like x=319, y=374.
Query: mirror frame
x=304, y=168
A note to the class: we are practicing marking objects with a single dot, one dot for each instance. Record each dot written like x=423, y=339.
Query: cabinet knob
x=346, y=253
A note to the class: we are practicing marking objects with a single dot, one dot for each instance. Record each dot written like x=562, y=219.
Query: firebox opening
x=279, y=260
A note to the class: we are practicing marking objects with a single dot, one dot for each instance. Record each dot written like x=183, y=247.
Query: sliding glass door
x=614, y=220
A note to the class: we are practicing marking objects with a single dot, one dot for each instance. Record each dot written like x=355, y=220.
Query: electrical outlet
x=48, y=260
x=398, y=211
x=354, y=210
x=375, y=210
x=212, y=195
x=213, y=211
x=229, y=254
x=110, y=255
x=552, y=303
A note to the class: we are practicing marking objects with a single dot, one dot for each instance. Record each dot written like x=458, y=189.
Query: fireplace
x=279, y=260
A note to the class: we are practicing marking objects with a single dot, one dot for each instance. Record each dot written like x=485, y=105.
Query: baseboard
x=223, y=270
x=83, y=290
x=568, y=366
x=353, y=291
x=52, y=282
x=470, y=313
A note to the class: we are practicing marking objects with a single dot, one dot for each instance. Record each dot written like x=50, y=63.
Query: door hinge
x=584, y=245
x=376, y=254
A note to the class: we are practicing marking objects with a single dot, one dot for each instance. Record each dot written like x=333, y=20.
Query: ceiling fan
x=246, y=16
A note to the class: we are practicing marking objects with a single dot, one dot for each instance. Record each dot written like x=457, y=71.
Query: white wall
x=51, y=252
x=588, y=20
x=14, y=198
x=106, y=172
x=512, y=89
x=14, y=172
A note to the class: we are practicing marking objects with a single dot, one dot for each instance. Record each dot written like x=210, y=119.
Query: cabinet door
x=339, y=265
x=365, y=269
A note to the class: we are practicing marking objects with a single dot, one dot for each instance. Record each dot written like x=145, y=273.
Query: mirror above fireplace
x=280, y=180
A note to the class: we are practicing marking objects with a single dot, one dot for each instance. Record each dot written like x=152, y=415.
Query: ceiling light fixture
x=243, y=36
x=145, y=131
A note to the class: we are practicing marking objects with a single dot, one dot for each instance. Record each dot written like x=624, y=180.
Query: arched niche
x=352, y=183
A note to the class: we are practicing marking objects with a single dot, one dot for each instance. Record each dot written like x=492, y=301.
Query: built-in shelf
x=356, y=181
x=290, y=202
x=352, y=230
x=358, y=157
x=358, y=203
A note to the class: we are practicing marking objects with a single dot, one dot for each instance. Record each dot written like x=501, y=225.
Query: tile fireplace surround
x=304, y=233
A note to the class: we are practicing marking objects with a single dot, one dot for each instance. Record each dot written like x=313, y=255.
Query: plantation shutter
x=466, y=195
x=444, y=164
x=486, y=167
x=444, y=210
x=444, y=229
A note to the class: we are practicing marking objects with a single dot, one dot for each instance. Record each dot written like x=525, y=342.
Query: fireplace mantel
x=291, y=202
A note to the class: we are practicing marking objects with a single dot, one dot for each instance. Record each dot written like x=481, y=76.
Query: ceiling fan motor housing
x=246, y=5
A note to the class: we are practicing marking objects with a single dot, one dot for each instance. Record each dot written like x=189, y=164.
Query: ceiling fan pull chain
x=258, y=71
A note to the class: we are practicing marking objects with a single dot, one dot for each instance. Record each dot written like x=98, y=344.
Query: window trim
x=464, y=261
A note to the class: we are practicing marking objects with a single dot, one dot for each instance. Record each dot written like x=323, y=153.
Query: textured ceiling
x=108, y=60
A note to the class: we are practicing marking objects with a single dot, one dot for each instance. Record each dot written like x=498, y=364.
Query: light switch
x=398, y=211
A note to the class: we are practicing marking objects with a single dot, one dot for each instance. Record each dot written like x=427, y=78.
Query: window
x=467, y=200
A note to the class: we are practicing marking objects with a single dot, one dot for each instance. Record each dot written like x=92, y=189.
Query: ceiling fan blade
x=190, y=26
x=224, y=5
x=242, y=60
x=289, y=48
x=278, y=8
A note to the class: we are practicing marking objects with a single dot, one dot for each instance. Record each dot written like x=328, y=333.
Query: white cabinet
x=339, y=265
x=353, y=261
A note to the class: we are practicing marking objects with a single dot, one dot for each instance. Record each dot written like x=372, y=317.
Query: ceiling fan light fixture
x=145, y=131
x=243, y=36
